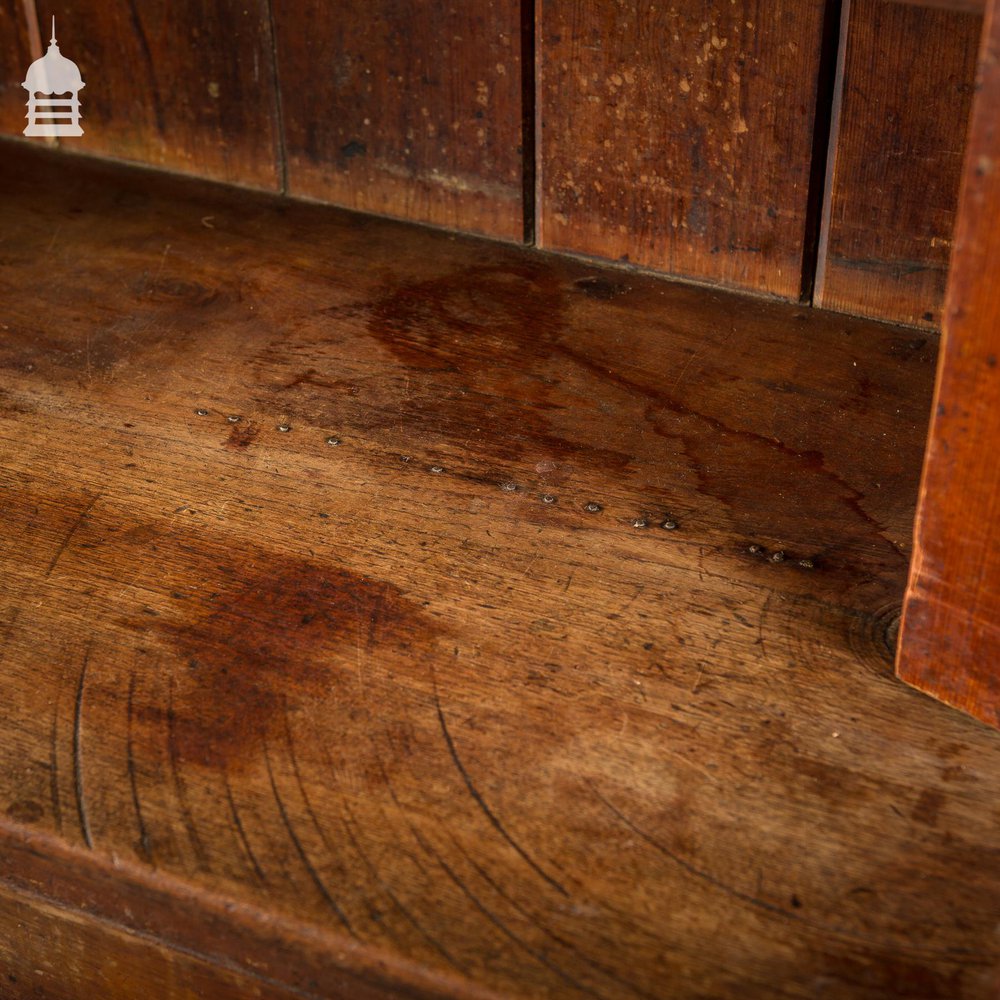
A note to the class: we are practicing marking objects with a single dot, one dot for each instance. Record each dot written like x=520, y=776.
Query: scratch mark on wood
x=54, y=756
x=573, y=949
x=179, y=784
x=301, y=851
x=240, y=831
x=77, y=752
x=348, y=822
x=144, y=844
x=481, y=802
x=68, y=537
x=306, y=801
x=496, y=921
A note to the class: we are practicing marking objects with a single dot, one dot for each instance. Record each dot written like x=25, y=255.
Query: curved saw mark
x=480, y=801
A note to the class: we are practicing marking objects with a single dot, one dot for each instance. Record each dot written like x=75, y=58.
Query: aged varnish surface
x=690, y=139
x=406, y=109
x=181, y=85
x=680, y=137
x=952, y=626
x=906, y=81
x=390, y=613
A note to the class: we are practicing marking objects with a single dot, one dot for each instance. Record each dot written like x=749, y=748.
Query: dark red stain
x=479, y=366
x=879, y=972
x=242, y=435
x=490, y=364
x=153, y=321
x=95, y=352
x=488, y=339
x=928, y=807
x=799, y=485
x=266, y=634
x=501, y=315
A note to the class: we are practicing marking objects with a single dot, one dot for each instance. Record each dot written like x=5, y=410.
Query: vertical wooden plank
x=406, y=109
x=15, y=57
x=950, y=640
x=679, y=136
x=907, y=87
x=180, y=85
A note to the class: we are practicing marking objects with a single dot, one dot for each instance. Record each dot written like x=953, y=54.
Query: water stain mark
x=242, y=435
x=265, y=633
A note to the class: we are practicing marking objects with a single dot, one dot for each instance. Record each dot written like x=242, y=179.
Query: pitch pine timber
x=951, y=646
x=444, y=709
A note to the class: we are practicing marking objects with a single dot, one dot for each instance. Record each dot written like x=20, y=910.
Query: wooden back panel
x=176, y=84
x=406, y=109
x=691, y=142
x=680, y=138
x=899, y=133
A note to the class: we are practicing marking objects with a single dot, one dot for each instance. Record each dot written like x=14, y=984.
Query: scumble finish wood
x=444, y=708
x=680, y=137
x=181, y=85
x=406, y=109
x=951, y=635
x=907, y=87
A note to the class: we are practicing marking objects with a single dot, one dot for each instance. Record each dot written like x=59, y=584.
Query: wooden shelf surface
x=443, y=709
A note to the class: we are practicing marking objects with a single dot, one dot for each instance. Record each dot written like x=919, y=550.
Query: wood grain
x=51, y=953
x=680, y=139
x=444, y=709
x=180, y=85
x=406, y=109
x=967, y=6
x=15, y=57
x=907, y=86
x=951, y=639
x=78, y=925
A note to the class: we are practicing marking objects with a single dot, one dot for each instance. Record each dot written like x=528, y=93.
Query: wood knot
x=874, y=637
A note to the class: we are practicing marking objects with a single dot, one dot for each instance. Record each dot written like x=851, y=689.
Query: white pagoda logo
x=53, y=84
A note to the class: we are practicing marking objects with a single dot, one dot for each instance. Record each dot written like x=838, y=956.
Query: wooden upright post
x=950, y=639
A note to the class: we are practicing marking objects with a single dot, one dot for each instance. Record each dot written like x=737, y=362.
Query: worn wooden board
x=680, y=138
x=907, y=85
x=406, y=109
x=379, y=711
x=951, y=644
x=56, y=953
x=180, y=85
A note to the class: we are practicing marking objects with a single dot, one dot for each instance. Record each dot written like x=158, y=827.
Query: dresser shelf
x=393, y=613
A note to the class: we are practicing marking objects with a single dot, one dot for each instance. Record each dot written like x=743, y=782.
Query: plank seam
x=279, y=113
x=529, y=122
x=825, y=126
